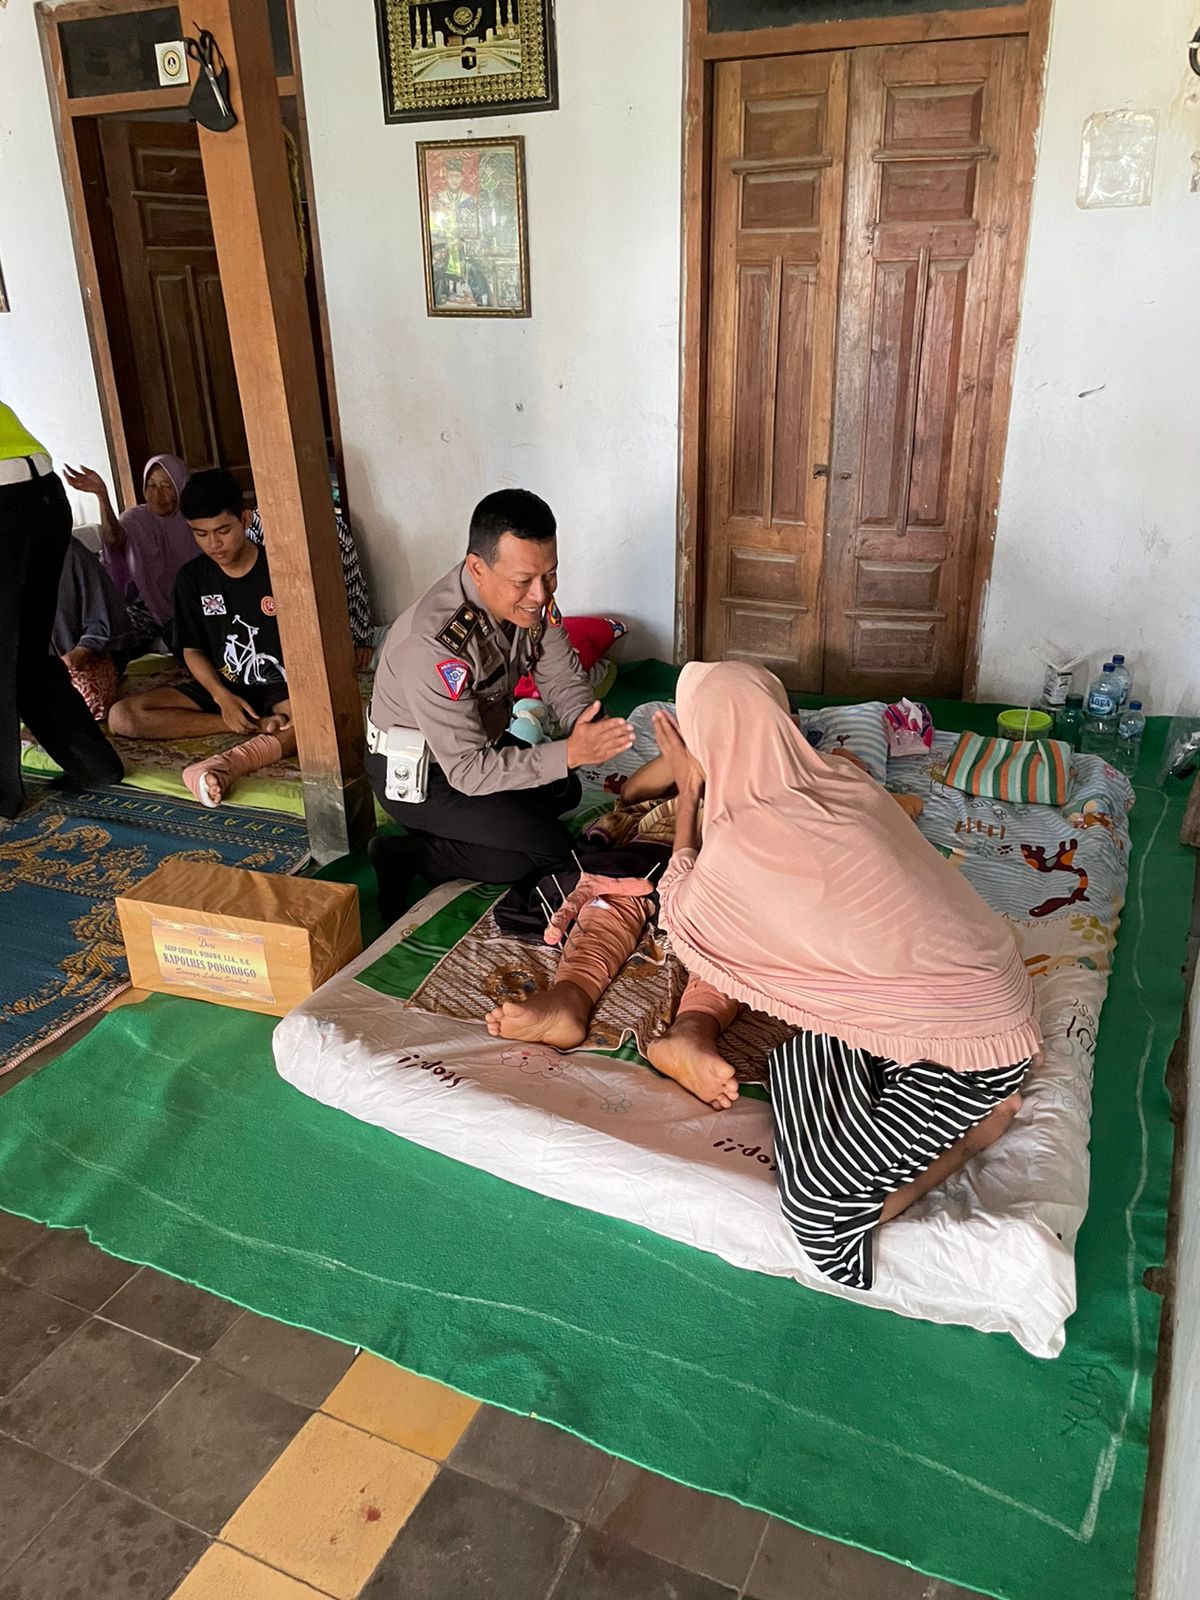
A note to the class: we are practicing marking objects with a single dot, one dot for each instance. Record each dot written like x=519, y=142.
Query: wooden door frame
x=67, y=113
x=702, y=49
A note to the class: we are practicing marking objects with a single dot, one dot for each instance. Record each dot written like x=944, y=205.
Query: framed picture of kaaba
x=473, y=221
x=473, y=58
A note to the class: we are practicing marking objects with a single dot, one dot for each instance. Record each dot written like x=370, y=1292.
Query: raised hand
x=686, y=772
x=86, y=480
x=592, y=743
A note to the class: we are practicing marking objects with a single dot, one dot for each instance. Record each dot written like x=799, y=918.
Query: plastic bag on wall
x=1117, y=165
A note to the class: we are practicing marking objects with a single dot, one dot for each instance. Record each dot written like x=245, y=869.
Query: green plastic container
x=1024, y=724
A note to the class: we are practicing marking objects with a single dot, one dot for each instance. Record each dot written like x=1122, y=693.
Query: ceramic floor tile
x=602, y=1568
x=794, y=1565
x=16, y=1234
x=33, y=1488
x=32, y=1324
x=225, y=1574
x=714, y=1537
x=199, y=1454
x=397, y=1405
x=179, y=1314
x=537, y=1462
x=475, y=1542
x=291, y=1362
x=91, y=1393
x=64, y=1262
x=331, y=1505
x=103, y=1546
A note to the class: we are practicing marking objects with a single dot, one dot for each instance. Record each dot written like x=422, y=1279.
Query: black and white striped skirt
x=852, y=1128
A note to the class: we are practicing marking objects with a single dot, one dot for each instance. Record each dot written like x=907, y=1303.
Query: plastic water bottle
x=1100, y=721
x=1125, y=678
x=1068, y=724
x=1130, y=729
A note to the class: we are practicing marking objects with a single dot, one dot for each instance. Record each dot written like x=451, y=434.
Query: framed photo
x=473, y=221
x=4, y=306
x=478, y=59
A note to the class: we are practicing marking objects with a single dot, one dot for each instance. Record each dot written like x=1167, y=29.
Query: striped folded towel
x=1036, y=771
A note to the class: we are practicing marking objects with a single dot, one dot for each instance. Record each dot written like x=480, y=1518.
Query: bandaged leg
x=209, y=779
x=603, y=937
x=688, y=1050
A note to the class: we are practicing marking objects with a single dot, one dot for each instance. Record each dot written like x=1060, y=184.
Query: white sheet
x=992, y=1249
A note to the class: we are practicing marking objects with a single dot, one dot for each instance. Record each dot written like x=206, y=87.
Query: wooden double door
x=862, y=203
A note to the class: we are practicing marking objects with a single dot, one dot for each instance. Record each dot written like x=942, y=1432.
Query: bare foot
x=686, y=1054
x=558, y=1016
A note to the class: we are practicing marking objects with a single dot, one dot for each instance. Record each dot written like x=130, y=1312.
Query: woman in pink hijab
x=145, y=547
x=813, y=898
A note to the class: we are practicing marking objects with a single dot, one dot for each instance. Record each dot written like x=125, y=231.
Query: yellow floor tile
x=330, y=1506
x=224, y=1574
x=397, y=1405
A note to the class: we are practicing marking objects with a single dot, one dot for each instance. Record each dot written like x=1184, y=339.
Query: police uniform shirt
x=449, y=669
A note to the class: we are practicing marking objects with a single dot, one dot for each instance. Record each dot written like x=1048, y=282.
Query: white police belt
x=407, y=754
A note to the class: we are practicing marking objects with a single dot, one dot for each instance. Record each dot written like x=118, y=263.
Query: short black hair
x=514, y=511
x=210, y=494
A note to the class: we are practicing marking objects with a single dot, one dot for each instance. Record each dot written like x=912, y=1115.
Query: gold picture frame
x=482, y=58
x=474, y=227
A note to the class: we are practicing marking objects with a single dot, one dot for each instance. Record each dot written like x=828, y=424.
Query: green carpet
x=167, y=1134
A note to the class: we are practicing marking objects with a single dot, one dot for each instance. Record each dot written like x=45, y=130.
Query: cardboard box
x=239, y=938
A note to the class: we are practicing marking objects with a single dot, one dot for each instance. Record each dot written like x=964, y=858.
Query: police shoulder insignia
x=459, y=629
x=553, y=615
x=456, y=675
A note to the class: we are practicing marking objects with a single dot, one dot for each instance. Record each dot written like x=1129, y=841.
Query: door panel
x=172, y=288
x=928, y=195
x=779, y=137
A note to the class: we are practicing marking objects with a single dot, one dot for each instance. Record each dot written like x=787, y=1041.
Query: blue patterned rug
x=61, y=863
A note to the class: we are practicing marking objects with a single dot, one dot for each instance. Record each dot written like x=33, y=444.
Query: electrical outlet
x=172, y=63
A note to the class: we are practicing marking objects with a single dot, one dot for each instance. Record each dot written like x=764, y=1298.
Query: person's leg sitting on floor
x=688, y=1051
x=605, y=917
x=211, y=777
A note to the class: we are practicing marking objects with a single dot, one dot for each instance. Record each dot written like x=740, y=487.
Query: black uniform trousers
x=35, y=687
x=493, y=838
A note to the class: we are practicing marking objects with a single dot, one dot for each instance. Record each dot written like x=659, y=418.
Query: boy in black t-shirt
x=226, y=631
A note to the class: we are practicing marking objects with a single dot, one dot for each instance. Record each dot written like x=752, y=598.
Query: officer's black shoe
x=397, y=862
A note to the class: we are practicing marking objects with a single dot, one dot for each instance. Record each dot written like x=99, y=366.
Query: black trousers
x=494, y=838
x=35, y=687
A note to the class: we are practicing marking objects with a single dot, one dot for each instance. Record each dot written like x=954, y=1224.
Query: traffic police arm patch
x=456, y=675
x=553, y=615
x=459, y=629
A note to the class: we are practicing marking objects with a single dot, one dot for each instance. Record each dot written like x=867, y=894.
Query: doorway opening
x=144, y=241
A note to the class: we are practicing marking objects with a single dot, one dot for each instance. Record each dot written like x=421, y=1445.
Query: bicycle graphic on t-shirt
x=244, y=661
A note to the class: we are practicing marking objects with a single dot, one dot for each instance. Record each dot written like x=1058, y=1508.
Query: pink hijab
x=155, y=547
x=815, y=899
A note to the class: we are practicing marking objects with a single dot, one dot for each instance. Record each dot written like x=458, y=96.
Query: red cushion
x=592, y=638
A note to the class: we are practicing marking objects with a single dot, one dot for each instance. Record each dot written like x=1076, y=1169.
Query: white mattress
x=993, y=1249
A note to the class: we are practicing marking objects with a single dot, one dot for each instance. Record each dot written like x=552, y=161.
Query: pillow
x=591, y=638
x=859, y=729
x=1035, y=771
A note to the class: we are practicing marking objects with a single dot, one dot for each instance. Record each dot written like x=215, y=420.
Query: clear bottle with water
x=1125, y=678
x=1130, y=730
x=1101, y=712
x=1068, y=724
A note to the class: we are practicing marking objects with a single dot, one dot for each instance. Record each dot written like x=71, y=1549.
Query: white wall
x=1177, y=1556
x=579, y=403
x=1098, y=545
x=46, y=370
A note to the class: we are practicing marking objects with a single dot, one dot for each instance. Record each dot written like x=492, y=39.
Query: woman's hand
x=86, y=480
x=686, y=772
x=75, y=660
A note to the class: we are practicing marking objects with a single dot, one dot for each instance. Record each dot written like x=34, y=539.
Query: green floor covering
x=167, y=1134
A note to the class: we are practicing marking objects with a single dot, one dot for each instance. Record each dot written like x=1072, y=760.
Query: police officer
x=475, y=802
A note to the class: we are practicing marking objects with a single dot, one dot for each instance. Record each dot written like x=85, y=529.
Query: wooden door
x=930, y=193
x=172, y=287
x=778, y=142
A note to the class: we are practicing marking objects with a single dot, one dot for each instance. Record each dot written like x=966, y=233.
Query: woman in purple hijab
x=144, y=549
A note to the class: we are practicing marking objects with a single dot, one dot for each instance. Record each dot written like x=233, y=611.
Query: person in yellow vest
x=35, y=686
